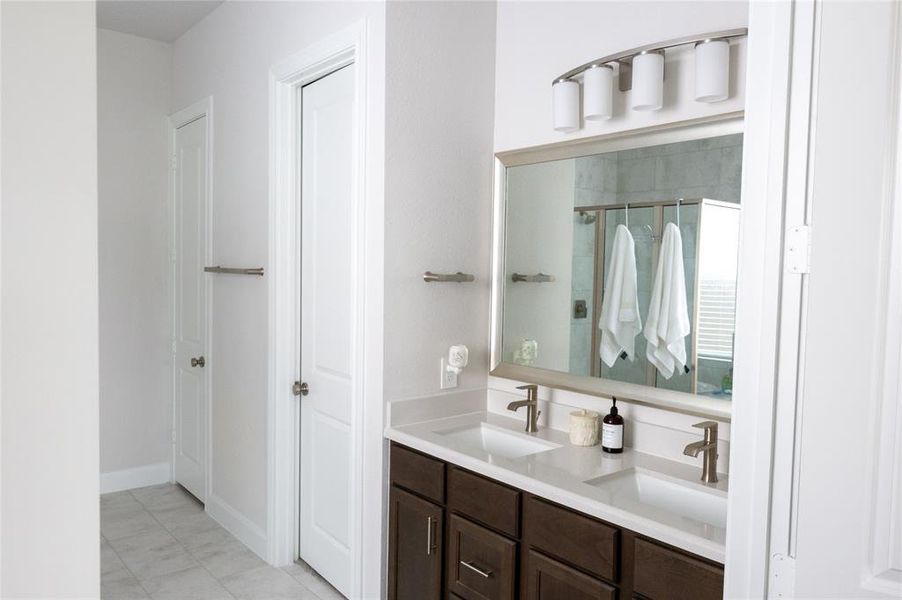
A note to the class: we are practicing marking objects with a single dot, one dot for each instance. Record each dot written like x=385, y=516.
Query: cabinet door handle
x=430, y=535
x=476, y=569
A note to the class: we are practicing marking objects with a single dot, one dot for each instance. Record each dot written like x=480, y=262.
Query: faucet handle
x=530, y=386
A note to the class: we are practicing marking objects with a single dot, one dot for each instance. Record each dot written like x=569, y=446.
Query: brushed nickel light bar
x=625, y=58
x=641, y=70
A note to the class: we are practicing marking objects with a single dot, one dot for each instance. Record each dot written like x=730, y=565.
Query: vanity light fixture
x=712, y=70
x=648, y=80
x=566, y=105
x=598, y=92
x=642, y=71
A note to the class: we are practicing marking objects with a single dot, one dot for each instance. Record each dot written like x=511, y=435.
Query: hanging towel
x=620, y=322
x=667, y=324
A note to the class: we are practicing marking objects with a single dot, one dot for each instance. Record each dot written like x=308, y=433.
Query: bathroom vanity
x=481, y=509
x=478, y=510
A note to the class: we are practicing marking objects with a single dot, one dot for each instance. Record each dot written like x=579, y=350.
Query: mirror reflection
x=623, y=265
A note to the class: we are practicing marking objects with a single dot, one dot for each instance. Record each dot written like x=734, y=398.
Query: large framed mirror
x=616, y=265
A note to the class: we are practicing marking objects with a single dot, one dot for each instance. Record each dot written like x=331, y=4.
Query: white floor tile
x=123, y=589
x=151, y=554
x=125, y=522
x=163, y=497
x=111, y=568
x=195, y=583
x=313, y=581
x=222, y=560
x=267, y=583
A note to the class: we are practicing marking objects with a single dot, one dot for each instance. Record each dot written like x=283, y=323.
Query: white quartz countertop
x=560, y=475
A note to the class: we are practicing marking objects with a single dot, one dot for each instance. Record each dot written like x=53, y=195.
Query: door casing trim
x=283, y=432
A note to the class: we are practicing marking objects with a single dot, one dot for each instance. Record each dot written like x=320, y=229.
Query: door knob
x=198, y=362
x=300, y=389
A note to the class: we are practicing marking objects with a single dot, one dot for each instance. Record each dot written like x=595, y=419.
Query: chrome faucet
x=532, y=406
x=709, y=447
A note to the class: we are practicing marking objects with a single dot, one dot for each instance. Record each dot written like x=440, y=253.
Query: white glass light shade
x=648, y=81
x=712, y=71
x=565, y=102
x=598, y=93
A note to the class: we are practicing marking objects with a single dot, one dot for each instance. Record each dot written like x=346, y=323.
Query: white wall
x=438, y=190
x=49, y=301
x=228, y=56
x=133, y=100
x=537, y=41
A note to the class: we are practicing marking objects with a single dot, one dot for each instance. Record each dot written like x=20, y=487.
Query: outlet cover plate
x=449, y=378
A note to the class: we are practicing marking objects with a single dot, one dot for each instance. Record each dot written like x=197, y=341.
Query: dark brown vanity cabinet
x=458, y=535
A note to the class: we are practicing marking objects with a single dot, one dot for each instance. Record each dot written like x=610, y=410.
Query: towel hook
x=626, y=212
x=679, y=201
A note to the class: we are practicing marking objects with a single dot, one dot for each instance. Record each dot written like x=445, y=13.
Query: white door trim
x=201, y=108
x=286, y=78
x=769, y=316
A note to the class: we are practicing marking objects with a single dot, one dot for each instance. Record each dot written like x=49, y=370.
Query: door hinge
x=798, y=249
x=300, y=389
x=174, y=162
x=172, y=435
x=782, y=576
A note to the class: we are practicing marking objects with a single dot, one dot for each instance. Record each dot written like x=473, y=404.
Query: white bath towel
x=667, y=323
x=620, y=322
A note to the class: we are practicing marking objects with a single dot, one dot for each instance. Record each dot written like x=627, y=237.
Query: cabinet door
x=663, y=574
x=482, y=564
x=415, y=548
x=547, y=579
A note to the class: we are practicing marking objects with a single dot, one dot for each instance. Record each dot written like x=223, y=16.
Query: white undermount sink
x=496, y=441
x=634, y=488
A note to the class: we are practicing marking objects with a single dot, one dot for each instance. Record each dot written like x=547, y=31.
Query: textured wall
x=438, y=189
x=132, y=103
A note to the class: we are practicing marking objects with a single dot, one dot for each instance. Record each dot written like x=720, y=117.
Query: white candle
x=583, y=428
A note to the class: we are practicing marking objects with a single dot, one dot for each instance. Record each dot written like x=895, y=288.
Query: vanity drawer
x=418, y=473
x=574, y=538
x=546, y=579
x=660, y=573
x=481, y=563
x=486, y=501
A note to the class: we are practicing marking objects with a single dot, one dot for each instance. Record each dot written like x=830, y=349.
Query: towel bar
x=234, y=270
x=458, y=277
x=537, y=278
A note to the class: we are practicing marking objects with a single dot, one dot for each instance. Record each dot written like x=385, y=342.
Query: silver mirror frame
x=719, y=125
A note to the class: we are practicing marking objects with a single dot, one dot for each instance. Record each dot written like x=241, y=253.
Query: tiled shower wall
x=706, y=168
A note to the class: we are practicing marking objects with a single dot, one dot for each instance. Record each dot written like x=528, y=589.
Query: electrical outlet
x=449, y=378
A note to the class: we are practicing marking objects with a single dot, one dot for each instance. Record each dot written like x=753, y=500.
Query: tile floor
x=157, y=542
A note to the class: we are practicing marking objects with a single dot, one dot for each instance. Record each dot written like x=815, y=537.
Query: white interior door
x=190, y=319
x=844, y=535
x=327, y=323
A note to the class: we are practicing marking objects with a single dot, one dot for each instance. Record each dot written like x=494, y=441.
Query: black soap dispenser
x=612, y=431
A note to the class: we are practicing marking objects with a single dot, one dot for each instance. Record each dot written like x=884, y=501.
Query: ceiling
x=163, y=20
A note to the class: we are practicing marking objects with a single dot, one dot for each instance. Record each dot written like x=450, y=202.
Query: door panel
x=415, y=548
x=328, y=338
x=189, y=207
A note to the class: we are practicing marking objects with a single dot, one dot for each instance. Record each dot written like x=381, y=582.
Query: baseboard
x=238, y=525
x=128, y=479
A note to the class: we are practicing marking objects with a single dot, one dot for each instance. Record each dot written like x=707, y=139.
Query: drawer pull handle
x=476, y=569
x=430, y=535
